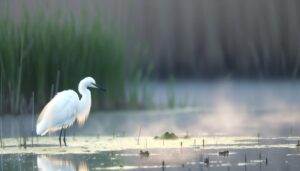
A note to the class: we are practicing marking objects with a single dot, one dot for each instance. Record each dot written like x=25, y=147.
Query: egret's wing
x=59, y=112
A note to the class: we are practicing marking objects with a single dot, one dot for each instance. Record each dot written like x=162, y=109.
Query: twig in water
x=138, y=140
x=24, y=141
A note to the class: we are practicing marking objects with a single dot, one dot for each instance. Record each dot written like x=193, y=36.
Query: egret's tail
x=41, y=129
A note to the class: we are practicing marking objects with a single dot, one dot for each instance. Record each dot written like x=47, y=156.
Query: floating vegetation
x=167, y=136
x=206, y=160
x=224, y=153
x=144, y=153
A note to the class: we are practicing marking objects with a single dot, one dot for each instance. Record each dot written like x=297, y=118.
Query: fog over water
x=201, y=108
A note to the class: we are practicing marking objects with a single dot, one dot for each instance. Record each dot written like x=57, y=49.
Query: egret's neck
x=85, y=101
x=83, y=90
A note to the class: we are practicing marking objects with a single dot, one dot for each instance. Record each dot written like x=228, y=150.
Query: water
x=261, y=95
x=267, y=155
x=201, y=108
x=211, y=108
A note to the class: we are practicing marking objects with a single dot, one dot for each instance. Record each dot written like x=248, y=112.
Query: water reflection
x=238, y=157
x=50, y=163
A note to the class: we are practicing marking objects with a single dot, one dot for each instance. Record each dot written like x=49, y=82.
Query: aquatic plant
x=144, y=153
x=167, y=136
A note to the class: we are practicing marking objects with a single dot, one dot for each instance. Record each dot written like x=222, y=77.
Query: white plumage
x=59, y=113
x=62, y=111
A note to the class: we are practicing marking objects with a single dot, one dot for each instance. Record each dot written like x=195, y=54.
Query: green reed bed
x=44, y=53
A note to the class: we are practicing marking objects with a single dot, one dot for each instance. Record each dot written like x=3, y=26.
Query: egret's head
x=90, y=82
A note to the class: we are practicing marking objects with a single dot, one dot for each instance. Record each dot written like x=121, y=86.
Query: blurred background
x=236, y=56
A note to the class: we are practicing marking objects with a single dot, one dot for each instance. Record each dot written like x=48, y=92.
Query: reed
x=39, y=50
x=171, y=93
x=1, y=101
x=1, y=134
x=32, y=119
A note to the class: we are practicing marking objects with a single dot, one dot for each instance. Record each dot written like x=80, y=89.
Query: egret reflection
x=50, y=163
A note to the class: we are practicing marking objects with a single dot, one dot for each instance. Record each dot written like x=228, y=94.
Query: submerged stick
x=24, y=141
x=2, y=163
x=138, y=140
x=181, y=144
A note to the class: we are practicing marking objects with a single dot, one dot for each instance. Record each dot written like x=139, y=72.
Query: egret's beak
x=99, y=87
x=93, y=86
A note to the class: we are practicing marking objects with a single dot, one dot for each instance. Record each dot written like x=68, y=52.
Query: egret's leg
x=65, y=137
x=60, y=137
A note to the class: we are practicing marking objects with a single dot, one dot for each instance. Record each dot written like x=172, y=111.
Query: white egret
x=66, y=107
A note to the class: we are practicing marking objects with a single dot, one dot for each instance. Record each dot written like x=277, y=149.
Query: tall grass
x=171, y=93
x=40, y=50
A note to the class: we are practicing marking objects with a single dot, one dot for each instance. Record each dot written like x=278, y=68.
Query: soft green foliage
x=35, y=49
x=133, y=96
x=140, y=95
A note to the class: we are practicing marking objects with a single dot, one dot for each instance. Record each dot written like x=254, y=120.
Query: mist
x=216, y=108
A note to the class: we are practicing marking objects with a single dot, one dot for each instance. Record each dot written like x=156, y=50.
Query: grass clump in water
x=167, y=136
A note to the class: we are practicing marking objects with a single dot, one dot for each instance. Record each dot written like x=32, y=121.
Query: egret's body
x=65, y=108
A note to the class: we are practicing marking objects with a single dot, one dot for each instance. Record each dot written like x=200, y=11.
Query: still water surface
x=193, y=158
